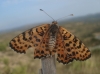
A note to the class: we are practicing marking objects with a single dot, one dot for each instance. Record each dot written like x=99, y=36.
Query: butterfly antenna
x=46, y=13
x=65, y=16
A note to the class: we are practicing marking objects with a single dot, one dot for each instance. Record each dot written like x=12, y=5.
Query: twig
x=48, y=65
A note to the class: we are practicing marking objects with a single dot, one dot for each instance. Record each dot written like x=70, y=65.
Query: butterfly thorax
x=53, y=28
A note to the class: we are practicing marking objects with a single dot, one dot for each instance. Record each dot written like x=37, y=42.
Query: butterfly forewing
x=72, y=47
x=29, y=38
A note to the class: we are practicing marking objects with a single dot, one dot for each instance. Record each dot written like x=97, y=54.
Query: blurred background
x=17, y=16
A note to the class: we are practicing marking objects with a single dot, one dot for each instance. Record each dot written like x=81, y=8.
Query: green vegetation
x=2, y=46
x=96, y=52
x=20, y=70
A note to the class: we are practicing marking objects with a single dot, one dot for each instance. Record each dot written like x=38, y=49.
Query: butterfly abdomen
x=51, y=44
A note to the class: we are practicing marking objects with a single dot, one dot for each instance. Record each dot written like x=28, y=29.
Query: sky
x=16, y=13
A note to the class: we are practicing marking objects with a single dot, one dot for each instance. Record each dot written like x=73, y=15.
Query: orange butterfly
x=50, y=39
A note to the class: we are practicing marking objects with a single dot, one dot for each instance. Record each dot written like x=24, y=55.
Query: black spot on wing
x=68, y=49
x=18, y=51
x=30, y=32
x=24, y=36
x=75, y=39
x=40, y=33
x=38, y=40
x=67, y=44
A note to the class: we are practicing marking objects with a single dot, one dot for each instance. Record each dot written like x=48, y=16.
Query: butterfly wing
x=42, y=50
x=29, y=38
x=69, y=47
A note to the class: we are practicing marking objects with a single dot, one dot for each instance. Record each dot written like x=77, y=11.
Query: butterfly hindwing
x=43, y=49
x=29, y=38
x=62, y=55
x=72, y=48
x=60, y=48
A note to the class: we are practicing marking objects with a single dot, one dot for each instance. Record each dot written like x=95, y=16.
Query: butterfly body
x=49, y=40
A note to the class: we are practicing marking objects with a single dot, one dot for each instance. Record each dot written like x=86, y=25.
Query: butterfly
x=51, y=39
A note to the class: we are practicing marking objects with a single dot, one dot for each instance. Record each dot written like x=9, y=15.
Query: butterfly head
x=54, y=22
